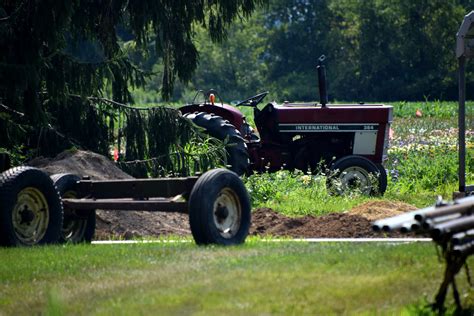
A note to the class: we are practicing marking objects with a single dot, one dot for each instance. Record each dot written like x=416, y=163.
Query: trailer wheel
x=219, y=209
x=31, y=212
x=78, y=225
x=352, y=173
x=216, y=126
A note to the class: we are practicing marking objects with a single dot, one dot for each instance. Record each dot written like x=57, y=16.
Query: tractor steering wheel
x=253, y=101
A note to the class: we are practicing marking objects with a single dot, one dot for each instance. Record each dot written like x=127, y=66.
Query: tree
x=394, y=50
x=376, y=50
x=52, y=49
x=300, y=33
x=235, y=67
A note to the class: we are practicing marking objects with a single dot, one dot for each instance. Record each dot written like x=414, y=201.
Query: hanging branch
x=6, y=109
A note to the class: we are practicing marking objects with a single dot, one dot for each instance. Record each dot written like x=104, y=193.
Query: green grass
x=298, y=194
x=263, y=278
x=285, y=278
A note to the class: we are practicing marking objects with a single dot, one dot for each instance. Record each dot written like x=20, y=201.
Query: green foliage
x=153, y=149
x=297, y=194
x=437, y=109
x=15, y=155
x=423, y=158
x=77, y=122
x=234, y=68
x=55, y=51
x=377, y=51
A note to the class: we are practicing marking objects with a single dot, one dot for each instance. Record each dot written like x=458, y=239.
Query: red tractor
x=351, y=139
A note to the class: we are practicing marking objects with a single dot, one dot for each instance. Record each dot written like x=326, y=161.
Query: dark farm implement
x=38, y=209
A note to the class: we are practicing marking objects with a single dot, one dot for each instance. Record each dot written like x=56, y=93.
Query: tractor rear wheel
x=216, y=126
x=219, y=209
x=31, y=212
x=78, y=225
x=356, y=173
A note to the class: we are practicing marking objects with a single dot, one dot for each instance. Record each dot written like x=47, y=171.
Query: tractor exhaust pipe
x=323, y=95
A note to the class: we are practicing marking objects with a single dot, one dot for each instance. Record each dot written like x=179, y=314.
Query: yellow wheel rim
x=30, y=216
x=73, y=228
x=227, y=213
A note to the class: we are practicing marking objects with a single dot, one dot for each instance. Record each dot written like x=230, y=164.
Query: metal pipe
x=433, y=221
x=461, y=206
x=463, y=237
x=454, y=226
x=410, y=226
x=462, y=125
x=398, y=221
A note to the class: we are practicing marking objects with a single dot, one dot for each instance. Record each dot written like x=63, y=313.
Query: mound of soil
x=356, y=223
x=265, y=221
x=81, y=163
x=112, y=224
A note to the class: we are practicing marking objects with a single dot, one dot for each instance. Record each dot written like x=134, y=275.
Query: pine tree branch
x=6, y=109
x=9, y=17
x=101, y=99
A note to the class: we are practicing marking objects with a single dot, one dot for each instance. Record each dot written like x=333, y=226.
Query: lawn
x=258, y=278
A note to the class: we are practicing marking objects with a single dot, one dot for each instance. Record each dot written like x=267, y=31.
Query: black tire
x=216, y=126
x=78, y=225
x=357, y=173
x=219, y=209
x=31, y=211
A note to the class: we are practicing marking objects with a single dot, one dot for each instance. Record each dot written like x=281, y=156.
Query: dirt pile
x=356, y=223
x=112, y=224
x=265, y=222
x=82, y=163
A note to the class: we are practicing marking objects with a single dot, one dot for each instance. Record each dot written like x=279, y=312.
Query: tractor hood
x=307, y=113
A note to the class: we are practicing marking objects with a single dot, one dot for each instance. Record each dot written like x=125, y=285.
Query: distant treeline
x=377, y=50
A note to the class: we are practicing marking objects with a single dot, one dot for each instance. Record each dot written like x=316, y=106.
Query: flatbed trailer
x=38, y=209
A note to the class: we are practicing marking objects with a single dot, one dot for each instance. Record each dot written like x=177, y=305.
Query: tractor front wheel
x=219, y=209
x=356, y=173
